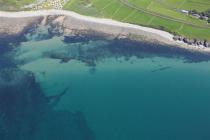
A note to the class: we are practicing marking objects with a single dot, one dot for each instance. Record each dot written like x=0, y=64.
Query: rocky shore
x=14, y=27
x=194, y=42
x=69, y=23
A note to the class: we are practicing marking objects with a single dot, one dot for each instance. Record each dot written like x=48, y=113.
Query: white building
x=185, y=12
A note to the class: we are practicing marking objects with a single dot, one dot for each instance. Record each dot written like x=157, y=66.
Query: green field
x=160, y=14
x=14, y=5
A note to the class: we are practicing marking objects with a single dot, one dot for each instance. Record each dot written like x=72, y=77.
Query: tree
x=194, y=11
x=207, y=13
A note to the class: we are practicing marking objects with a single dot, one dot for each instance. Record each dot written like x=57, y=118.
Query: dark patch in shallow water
x=81, y=38
x=161, y=69
x=144, y=49
x=125, y=48
x=37, y=33
x=27, y=114
x=6, y=61
x=112, y=48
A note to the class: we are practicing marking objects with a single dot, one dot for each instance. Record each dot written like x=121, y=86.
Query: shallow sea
x=86, y=88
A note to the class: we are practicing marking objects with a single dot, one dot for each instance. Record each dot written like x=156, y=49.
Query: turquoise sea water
x=123, y=92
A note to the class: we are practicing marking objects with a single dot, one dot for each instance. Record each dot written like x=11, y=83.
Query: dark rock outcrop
x=194, y=42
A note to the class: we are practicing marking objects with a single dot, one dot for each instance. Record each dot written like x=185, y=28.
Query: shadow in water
x=93, y=53
x=27, y=114
x=161, y=69
x=79, y=47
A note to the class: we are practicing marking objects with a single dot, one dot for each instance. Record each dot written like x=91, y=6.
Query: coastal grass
x=175, y=21
x=14, y=5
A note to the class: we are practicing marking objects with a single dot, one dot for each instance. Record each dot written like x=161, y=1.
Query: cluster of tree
x=202, y=15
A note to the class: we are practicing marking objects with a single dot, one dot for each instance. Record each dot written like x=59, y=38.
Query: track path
x=130, y=5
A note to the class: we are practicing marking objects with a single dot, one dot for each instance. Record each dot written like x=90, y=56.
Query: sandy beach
x=9, y=24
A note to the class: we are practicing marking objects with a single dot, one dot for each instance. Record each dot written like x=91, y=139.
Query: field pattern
x=161, y=14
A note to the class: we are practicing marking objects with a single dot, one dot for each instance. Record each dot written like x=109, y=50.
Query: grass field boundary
x=181, y=4
x=107, y=5
x=162, y=14
x=181, y=27
x=203, y=3
x=150, y=21
x=149, y=4
x=129, y=15
x=126, y=3
x=117, y=10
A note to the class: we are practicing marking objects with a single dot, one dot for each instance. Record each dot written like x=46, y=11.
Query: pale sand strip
x=107, y=26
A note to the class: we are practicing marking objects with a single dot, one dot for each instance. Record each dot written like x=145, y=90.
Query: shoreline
x=16, y=23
